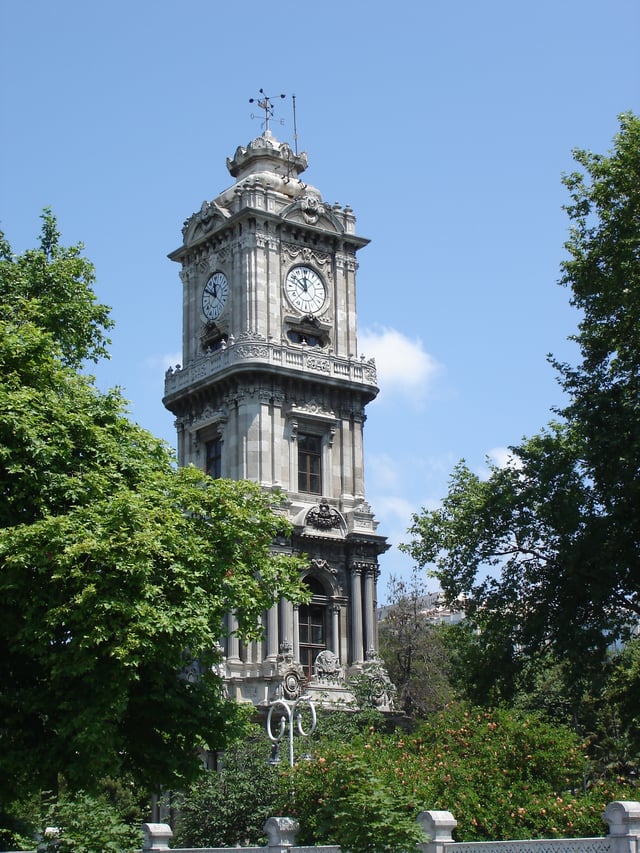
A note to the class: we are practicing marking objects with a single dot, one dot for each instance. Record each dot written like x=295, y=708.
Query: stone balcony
x=252, y=351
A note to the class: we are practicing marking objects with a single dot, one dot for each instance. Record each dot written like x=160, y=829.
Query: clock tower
x=272, y=389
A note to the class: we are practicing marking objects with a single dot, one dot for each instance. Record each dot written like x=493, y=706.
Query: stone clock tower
x=272, y=389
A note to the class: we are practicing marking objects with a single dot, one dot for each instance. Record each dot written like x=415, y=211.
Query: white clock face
x=214, y=296
x=305, y=290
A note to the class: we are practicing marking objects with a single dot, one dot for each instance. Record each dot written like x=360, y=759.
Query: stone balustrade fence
x=622, y=816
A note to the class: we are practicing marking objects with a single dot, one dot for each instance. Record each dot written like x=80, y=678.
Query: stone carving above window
x=321, y=565
x=207, y=217
x=327, y=669
x=312, y=207
x=323, y=516
x=309, y=256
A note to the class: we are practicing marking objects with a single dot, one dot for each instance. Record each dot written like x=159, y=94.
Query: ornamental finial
x=265, y=103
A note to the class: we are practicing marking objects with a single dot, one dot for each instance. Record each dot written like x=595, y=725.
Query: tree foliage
x=229, y=806
x=86, y=823
x=547, y=549
x=413, y=650
x=502, y=773
x=116, y=568
x=603, y=275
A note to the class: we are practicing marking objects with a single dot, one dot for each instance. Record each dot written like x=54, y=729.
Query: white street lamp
x=289, y=711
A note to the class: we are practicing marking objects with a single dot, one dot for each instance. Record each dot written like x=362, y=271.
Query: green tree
x=116, y=568
x=228, y=807
x=413, y=649
x=547, y=549
x=502, y=773
x=603, y=275
x=86, y=823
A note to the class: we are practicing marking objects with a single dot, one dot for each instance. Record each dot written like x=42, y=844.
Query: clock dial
x=214, y=296
x=305, y=290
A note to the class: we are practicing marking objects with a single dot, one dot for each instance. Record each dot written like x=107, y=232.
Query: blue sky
x=446, y=126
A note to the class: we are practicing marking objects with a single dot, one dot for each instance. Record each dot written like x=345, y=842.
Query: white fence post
x=281, y=832
x=438, y=827
x=156, y=836
x=623, y=817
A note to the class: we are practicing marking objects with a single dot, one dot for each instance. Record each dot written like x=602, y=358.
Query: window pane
x=309, y=463
x=312, y=634
x=214, y=458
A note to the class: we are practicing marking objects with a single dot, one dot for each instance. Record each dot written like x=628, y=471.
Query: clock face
x=214, y=296
x=305, y=290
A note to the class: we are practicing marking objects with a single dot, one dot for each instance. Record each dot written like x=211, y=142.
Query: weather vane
x=265, y=103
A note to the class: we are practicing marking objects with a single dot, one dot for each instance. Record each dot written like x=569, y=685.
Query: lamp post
x=290, y=712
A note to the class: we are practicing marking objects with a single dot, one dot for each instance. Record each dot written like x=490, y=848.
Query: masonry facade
x=272, y=389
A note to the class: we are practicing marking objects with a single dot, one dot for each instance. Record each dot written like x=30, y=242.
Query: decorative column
x=272, y=632
x=233, y=644
x=335, y=629
x=623, y=817
x=357, y=654
x=369, y=610
x=296, y=633
x=438, y=828
x=286, y=623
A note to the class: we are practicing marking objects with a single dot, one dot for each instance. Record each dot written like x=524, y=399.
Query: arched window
x=312, y=620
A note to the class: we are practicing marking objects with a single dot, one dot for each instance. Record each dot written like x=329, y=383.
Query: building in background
x=432, y=608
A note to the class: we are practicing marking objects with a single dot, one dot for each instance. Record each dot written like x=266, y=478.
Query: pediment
x=210, y=217
x=310, y=210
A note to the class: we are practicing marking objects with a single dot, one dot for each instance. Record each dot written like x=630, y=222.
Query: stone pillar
x=623, y=817
x=233, y=643
x=272, y=632
x=286, y=622
x=358, y=459
x=335, y=629
x=296, y=633
x=369, y=611
x=357, y=654
x=281, y=832
x=156, y=837
x=438, y=827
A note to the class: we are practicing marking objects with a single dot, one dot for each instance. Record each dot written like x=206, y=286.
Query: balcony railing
x=252, y=350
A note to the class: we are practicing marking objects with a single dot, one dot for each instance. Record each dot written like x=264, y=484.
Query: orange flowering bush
x=503, y=774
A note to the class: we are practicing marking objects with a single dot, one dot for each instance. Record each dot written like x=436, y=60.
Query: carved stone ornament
x=323, y=516
x=251, y=345
x=321, y=364
x=309, y=256
x=378, y=687
x=327, y=667
x=322, y=565
x=292, y=680
x=313, y=409
x=311, y=207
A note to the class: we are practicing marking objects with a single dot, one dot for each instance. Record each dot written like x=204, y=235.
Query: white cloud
x=404, y=366
x=503, y=458
x=392, y=506
x=165, y=361
x=382, y=472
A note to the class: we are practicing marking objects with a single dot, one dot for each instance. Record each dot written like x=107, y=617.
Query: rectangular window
x=312, y=620
x=309, y=463
x=214, y=458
